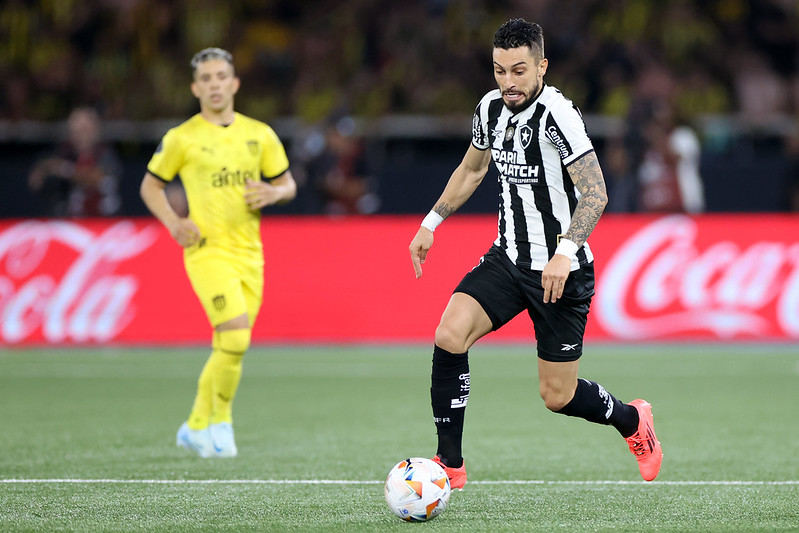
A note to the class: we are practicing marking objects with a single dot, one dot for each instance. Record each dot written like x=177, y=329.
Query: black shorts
x=505, y=290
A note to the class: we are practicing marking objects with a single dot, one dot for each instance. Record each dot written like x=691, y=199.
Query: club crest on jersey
x=253, y=146
x=525, y=135
x=509, y=133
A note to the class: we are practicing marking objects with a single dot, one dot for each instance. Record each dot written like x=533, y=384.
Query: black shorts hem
x=496, y=322
x=558, y=357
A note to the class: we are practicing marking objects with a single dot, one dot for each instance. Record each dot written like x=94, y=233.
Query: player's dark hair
x=209, y=54
x=516, y=33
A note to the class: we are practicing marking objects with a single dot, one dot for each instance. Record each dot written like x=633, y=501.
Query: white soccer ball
x=417, y=489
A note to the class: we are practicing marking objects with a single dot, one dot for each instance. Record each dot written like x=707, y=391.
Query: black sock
x=592, y=402
x=449, y=392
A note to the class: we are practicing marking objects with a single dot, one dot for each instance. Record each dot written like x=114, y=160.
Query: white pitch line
x=198, y=481
x=612, y=482
x=374, y=482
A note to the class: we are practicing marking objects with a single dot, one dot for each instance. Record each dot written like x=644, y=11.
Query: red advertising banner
x=712, y=277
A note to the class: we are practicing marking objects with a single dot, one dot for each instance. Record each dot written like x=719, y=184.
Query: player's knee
x=555, y=402
x=450, y=339
x=235, y=341
x=555, y=398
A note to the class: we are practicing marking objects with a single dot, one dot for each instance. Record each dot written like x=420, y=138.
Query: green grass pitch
x=89, y=441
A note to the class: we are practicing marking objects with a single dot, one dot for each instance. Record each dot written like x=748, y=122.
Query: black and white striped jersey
x=531, y=151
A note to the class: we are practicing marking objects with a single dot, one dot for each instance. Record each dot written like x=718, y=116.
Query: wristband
x=432, y=220
x=567, y=248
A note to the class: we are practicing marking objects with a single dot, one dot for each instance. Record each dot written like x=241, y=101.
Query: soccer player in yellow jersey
x=231, y=166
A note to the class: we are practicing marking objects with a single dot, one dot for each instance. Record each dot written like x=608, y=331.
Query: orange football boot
x=644, y=444
x=457, y=476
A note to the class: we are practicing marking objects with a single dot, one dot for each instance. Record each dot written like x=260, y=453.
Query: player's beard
x=518, y=107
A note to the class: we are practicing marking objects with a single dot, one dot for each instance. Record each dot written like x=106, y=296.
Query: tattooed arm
x=587, y=177
x=460, y=187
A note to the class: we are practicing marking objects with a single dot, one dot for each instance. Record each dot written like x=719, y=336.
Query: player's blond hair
x=209, y=54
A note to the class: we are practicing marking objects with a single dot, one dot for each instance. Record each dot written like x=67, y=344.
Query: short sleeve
x=565, y=129
x=479, y=131
x=274, y=161
x=168, y=157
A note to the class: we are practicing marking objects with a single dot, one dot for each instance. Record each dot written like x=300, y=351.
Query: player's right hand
x=419, y=247
x=186, y=232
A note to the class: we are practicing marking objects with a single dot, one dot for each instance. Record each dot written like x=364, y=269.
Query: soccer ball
x=417, y=489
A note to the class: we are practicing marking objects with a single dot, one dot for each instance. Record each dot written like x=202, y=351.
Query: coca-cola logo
x=60, y=276
x=661, y=283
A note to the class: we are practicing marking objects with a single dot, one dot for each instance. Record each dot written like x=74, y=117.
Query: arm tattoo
x=444, y=209
x=587, y=177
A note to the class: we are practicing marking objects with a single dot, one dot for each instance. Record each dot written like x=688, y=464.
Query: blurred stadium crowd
x=416, y=56
x=675, y=62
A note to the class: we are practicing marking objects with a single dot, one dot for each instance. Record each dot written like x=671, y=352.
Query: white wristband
x=567, y=248
x=432, y=220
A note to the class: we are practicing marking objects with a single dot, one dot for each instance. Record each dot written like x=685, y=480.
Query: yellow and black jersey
x=214, y=163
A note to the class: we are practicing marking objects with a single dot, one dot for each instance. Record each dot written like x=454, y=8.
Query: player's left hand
x=553, y=277
x=259, y=194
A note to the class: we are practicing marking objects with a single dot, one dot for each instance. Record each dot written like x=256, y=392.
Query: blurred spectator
x=668, y=177
x=619, y=178
x=339, y=173
x=81, y=178
x=760, y=91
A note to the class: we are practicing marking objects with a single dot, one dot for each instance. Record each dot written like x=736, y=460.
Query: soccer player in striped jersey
x=552, y=195
x=231, y=166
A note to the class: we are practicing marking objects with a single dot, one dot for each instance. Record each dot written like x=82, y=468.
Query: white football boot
x=196, y=440
x=223, y=441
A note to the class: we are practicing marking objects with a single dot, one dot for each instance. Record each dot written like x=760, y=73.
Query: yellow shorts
x=227, y=288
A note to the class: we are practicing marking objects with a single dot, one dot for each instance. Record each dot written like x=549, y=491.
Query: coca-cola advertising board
x=121, y=281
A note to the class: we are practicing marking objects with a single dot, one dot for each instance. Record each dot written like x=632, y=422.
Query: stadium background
x=399, y=81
